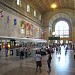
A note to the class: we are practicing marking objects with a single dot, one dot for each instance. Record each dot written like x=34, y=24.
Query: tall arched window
x=28, y=8
x=62, y=29
x=19, y=2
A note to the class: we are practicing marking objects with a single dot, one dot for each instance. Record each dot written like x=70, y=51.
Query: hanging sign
x=21, y=22
x=15, y=21
x=25, y=25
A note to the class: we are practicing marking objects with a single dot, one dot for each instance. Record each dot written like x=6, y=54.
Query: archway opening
x=62, y=29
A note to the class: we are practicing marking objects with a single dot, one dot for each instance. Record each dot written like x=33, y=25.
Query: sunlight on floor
x=62, y=60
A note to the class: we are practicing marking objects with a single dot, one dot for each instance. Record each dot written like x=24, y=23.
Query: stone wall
x=12, y=11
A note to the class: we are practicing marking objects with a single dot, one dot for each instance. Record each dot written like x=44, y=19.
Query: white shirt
x=38, y=57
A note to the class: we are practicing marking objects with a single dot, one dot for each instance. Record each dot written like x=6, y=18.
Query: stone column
x=73, y=34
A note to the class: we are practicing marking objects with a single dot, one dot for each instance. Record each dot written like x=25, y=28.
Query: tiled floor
x=60, y=65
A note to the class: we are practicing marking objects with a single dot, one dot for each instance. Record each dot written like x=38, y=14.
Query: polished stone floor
x=60, y=65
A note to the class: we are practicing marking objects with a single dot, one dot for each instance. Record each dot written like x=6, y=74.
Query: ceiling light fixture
x=53, y=6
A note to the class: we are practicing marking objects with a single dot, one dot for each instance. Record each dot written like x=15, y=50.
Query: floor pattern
x=61, y=64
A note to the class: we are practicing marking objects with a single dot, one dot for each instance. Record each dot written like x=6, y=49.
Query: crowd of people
x=38, y=59
x=50, y=50
x=24, y=52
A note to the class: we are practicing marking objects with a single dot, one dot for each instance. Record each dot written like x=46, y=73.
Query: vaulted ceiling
x=44, y=5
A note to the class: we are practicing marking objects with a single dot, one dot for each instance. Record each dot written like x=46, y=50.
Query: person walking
x=6, y=49
x=49, y=62
x=38, y=58
x=26, y=53
x=21, y=53
x=74, y=49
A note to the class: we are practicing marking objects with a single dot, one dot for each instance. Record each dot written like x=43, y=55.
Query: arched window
x=19, y=2
x=28, y=8
x=35, y=13
x=62, y=29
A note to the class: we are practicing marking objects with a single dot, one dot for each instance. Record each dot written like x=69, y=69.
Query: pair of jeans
x=48, y=62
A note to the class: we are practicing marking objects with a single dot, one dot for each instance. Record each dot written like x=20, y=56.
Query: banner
x=15, y=22
x=21, y=22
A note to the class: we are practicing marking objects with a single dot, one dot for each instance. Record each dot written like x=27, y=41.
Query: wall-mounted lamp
x=53, y=33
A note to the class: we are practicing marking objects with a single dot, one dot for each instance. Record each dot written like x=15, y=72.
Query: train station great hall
x=37, y=24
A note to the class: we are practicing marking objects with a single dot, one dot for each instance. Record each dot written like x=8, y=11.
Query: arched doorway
x=62, y=30
x=66, y=35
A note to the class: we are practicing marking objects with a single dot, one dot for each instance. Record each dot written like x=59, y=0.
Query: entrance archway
x=57, y=18
x=62, y=30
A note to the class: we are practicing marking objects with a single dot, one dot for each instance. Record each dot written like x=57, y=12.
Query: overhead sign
x=53, y=38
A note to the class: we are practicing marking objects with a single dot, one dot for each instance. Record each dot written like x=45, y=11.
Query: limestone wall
x=11, y=12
